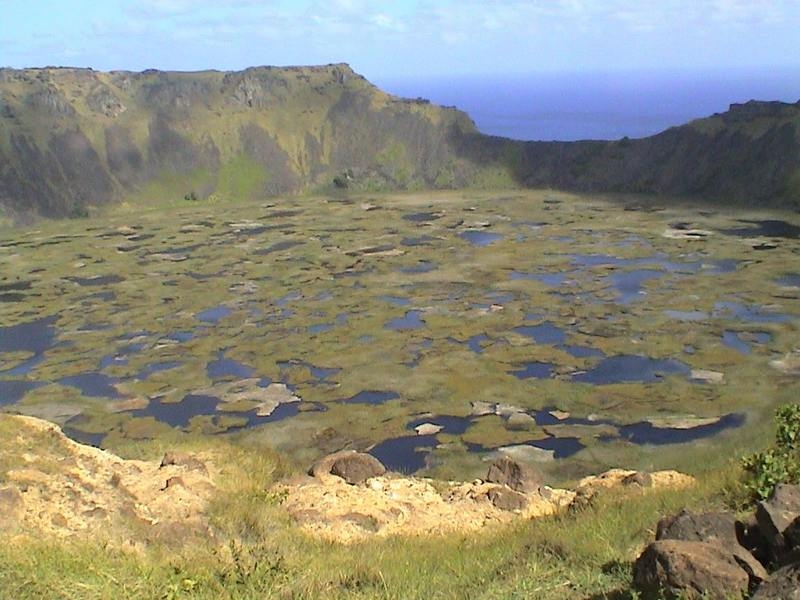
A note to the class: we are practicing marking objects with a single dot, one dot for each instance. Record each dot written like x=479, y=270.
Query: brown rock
x=354, y=467
x=784, y=584
x=516, y=475
x=507, y=499
x=687, y=569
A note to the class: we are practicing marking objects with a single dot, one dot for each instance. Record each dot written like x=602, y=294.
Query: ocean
x=596, y=106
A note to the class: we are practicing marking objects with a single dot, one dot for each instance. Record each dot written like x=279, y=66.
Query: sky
x=405, y=38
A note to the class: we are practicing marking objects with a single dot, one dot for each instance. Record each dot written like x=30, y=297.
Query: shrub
x=191, y=197
x=78, y=211
x=781, y=462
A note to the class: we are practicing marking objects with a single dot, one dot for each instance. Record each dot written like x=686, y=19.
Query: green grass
x=256, y=552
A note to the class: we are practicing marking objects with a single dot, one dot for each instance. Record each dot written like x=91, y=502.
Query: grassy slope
x=256, y=553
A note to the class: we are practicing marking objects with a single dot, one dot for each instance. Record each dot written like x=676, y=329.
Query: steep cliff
x=749, y=154
x=71, y=137
x=76, y=137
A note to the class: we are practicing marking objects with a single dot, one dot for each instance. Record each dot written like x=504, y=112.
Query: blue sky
x=400, y=39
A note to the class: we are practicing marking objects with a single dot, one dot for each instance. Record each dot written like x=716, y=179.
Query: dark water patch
x=582, y=351
x=478, y=237
x=629, y=284
x=546, y=333
x=629, y=369
x=73, y=431
x=95, y=327
x=753, y=314
x=178, y=414
x=647, y=433
x=597, y=260
x=789, y=280
x=35, y=337
x=96, y=385
x=318, y=373
x=278, y=247
x=180, y=336
x=744, y=340
x=14, y=296
x=475, y=343
x=287, y=298
x=282, y=214
x=213, y=315
x=423, y=266
x=111, y=360
x=449, y=423
x=411, y=320
x=534, y=370
x=551, y=279
x=99, y=280
x=423, y=240
x=225, y=368
x=13, y=391
x=371, y=397
x=107, y=296
x=562, y=447
x=764, y=228
x=319, y=328
x=724, y=265
x=16, y=286
x=203, y=276
x=157, y=367
x=422, y=217
x=405, y=454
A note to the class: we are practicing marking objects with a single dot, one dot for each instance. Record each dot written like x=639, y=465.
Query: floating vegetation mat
x=436, y=329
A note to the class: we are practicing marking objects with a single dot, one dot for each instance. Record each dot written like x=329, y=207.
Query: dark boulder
x=689, y=569
x=354, y=467
x=776, y=519
x=719, y=528
x=784, y=584
x=699, y=527
x=516, y=475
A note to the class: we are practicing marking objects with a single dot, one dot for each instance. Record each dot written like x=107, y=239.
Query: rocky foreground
x=54, y=486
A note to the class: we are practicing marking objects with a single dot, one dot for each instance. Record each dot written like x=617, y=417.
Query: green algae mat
x=432, y=329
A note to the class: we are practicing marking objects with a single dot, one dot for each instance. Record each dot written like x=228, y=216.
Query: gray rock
x=507, y=499
x=689, y=570
x=516, y=475
x=776, y=517
x=784, y=584
x=718, y=528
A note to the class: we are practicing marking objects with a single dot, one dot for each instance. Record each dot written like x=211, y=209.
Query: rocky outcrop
x=50, y=485
x=347, y=507
x=716, y=555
